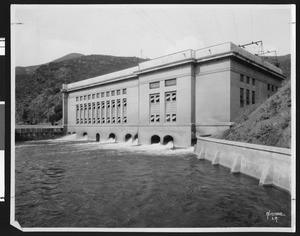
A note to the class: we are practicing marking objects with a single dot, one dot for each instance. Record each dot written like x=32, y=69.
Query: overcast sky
x=49, y=32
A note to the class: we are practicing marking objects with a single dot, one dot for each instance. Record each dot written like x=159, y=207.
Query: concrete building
x=170, y=98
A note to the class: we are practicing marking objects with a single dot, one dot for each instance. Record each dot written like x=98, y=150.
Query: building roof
x=186, y=56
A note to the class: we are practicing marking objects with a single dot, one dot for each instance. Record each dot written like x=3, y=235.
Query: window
x=107, y=111
x=90, y=113
x=248, y=80
x=80, y=98
x=76, y=98
x=107, y=94
x=113, y=93
x=253, y=81
x=93, y=113
x=81, y=113
x=272, y=87
x=118, y=92
x=253, y=97
x=102, y=112
x=241, y=78
x=268, y=86
x=276, y=88
x=98, y=95
x=170, y=106
x=124, y=110
x=124, y=91
x=154, y=107
x=89, y=97
x=84, y=98
x=154, y=85
x=102, y=94
x=247, y=97
x=93, y=96
x=241, y=97
x=77, y=114
x=170, y=82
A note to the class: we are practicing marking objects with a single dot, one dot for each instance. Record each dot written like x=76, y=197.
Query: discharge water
x=68, y=183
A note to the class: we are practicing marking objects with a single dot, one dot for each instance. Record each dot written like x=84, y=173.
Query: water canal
x=67, y=183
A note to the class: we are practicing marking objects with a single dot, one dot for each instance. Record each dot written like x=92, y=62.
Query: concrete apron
x=270, y=165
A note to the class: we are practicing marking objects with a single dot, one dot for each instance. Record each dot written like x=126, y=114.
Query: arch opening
x=135, y=136
x=84, y=134
x=155, y=139
x=68, y=133
x=74, y=133
x=111, y=136
x=127, y=137
x=97, y=137
x=167, y=139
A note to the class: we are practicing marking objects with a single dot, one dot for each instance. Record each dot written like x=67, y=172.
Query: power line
x=218, y=25
x=196, y=26
x=173, y=23
x=234, y=25
x=157, y=27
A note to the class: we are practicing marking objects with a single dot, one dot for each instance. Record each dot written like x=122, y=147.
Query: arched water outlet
x=135, y=137
x=169, y=141
x=111, y=136
x=155, y=139
x=68, y=133
x=127, y=137
x=74, y=133
x=97, y=137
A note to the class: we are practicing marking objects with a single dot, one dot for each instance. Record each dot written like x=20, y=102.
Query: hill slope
x=38, y=97
x=268, y=123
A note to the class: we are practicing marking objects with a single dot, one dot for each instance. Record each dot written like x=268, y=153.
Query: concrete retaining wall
x=271, y=165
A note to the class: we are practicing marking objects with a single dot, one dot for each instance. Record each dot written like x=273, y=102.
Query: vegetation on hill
x=268, y=123
x=38, y=97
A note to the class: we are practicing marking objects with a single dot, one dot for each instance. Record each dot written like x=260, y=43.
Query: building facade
x=170, y=98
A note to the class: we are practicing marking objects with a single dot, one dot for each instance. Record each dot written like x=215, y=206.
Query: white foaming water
x=156, y=149
x=110, y=140
x=83, y=138
x=135, y=142
x=67, y=137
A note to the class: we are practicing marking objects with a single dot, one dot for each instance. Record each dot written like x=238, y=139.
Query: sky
x=42, y=33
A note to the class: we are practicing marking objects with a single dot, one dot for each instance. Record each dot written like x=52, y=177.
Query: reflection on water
x=92, y=184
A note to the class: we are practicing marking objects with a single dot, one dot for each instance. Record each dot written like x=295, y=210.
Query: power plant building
x=170, y=98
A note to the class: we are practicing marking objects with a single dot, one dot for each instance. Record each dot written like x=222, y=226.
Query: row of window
x=102, y=94
x=272, y=87
x=168, y=82
x=170, y=107
x=242, y=95
x=248, y=79
x=104, y=112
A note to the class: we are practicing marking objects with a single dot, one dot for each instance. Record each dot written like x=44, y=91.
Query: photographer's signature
x=274, y=215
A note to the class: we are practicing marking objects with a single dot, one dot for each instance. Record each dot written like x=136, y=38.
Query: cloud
x=188, y=42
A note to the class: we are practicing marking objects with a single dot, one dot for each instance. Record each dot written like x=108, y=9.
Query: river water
x=67, y=183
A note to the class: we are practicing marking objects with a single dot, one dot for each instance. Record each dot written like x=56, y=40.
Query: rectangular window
x=154, y=107
x=119, y=110
x=102, y=94
x=268, y=86
x=81, y=114
x=276, y=88
x=171, y=106
x=272, y=87
x=248, y=80
x=247, y=97
x=113, y=93
x=241, y=97
x=93, y=113
x=241, y=78
x=84, y=98
x=77, y=114
x=253, y=97
x=118, y=92
x=89, y=97
x=85, y=113
x=102, y=112
x=107, y=94
x=98, y=95
x=93, y=96
x=107, y=111
x=154, y=85
x=98, y=113
x=80, y=98
x=124, y=91
x=90, y=113
x=253, y=81
x=76, y=98
x=113, y=111
x=124, y=110
x=170, y=82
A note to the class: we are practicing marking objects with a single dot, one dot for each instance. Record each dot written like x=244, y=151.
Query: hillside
x=38, y=97
x=268, y=123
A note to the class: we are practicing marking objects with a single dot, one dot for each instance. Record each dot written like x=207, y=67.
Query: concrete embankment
x=271, y=165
